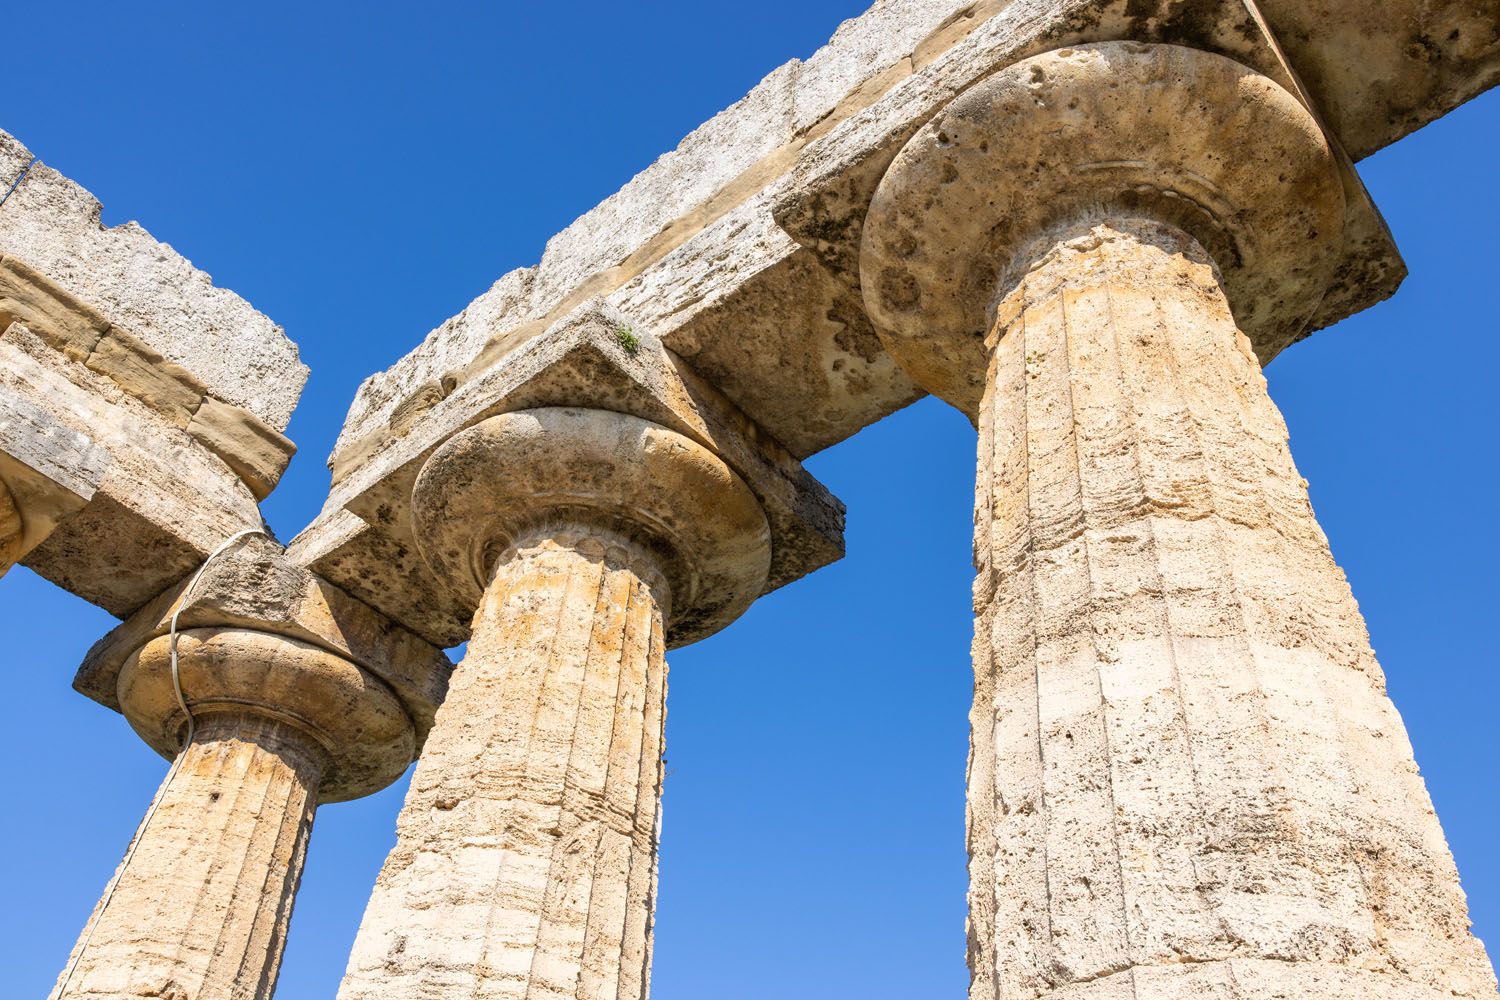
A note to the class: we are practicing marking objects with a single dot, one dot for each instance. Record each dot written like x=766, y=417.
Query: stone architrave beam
x=49, y=471
x=690, y=249
x=170, y=308
x=141, y=408
x=129, y=504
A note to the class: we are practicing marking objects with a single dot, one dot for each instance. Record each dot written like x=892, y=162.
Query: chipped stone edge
x=256, y=452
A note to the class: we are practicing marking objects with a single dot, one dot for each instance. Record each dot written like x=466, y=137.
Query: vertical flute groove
x=1182, y=790
x=201, y=909
x=520, y=842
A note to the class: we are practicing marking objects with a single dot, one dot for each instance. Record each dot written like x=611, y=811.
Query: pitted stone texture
x=500, y=478
x=255, y=585
x=526, y=850
x=1186, y=777
x=202, y=909
x=240, y=355
x=1249, y=979
x=118, y=504
x=595, y=357
x=247, y=445
x=689, y=247
x=201, y=904
x=680, y=238
x=1174, y=132
x=364, y=735
x=525, y=865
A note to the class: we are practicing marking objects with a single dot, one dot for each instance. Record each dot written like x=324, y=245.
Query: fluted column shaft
x=1186, y=777
x=526, y=858
x=201, y=909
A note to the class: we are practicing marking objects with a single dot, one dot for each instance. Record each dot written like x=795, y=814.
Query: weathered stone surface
x=635, y=248
x=354, y=719
x=1186, y=778
x=280, y=725
x=689, y=248
x=29, y=298
x=595, y=358
x=256, y=452
x=201, y=904
x=141, y=502
x=1098, y=128
x=203, y=907
x=1183, y=752
x=1381, y=72
x=497, y=480
x=49, y=471
x=255, y=585
x=525, y=863
x=10, y=529
x=124, y=469
x=54, y=225
x=825, y=206
x=147, y=376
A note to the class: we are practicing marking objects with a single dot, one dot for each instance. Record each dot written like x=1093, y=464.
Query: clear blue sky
x=360, y=172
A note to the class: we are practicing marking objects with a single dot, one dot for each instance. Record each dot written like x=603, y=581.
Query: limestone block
x=241, y=356
x=27, y=297
x=146, y=375
x=255, y=585
x=597, y=358
x=257, y=452
x=719, y=171
x=142, y=502
x=49, y=469
x=1383, y=71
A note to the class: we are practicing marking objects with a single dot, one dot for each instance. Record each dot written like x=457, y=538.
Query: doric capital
x=254, y=585
x=493, y=485
x=595, y=357
x=1115, y=129
x=365, y=736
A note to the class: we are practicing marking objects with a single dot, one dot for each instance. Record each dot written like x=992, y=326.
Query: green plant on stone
x=625, y=334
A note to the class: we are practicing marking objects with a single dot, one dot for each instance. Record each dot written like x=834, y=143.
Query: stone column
x=200, y=906
x=1186, y=779
x=525, y=863
x=10, y=529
